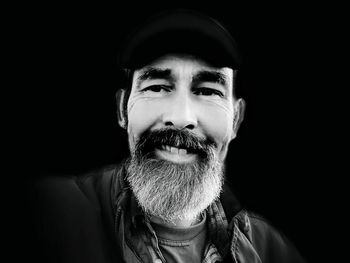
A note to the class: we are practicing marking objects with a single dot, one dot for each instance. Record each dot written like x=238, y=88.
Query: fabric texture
x=95, y=218
x=182, y=245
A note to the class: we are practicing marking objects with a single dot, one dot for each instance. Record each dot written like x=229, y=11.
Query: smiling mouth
x=174, y=154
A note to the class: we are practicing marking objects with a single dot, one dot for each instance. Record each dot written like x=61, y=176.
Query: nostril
x=169, y=123
x=190, y=126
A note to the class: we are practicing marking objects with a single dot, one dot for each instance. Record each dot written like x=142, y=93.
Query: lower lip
x=174, y=157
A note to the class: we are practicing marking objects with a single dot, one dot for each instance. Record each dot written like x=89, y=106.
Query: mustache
x=179, y=138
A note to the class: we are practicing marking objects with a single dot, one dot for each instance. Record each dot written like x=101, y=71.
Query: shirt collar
x=220, y=220
x=218, y=227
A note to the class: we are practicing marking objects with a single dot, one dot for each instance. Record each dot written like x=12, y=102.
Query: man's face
x=180, y=122
x=182, y=92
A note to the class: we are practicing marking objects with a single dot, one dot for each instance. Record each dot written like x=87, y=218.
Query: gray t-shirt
x=182, y=245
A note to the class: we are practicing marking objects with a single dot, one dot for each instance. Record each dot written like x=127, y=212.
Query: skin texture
x=184, y=104
x=182, y=98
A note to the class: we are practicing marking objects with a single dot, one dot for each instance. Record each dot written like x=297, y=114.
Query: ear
x=121, y=108
x=238, y=115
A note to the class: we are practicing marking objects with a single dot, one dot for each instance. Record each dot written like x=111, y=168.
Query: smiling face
x=183, y=92
x=181, y=118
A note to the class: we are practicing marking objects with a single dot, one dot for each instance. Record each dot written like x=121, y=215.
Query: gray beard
x=173, y=191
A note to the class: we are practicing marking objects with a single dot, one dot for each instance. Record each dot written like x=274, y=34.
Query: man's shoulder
x=74, y=190
x=66, y=209
x=263, y=228
x=269, y=241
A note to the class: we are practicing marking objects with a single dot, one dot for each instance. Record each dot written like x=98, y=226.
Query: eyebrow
x=210, y=76
x=155, y=73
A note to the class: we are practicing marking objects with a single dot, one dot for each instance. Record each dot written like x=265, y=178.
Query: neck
x=180, y=223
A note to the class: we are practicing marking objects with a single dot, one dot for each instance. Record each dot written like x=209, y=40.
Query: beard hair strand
x=173, y=191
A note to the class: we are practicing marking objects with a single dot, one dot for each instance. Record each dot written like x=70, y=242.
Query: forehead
x=183, y=65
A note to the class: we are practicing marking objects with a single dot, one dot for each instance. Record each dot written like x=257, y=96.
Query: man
x=168, y=201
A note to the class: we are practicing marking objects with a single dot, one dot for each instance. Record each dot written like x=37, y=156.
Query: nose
x=180, y=113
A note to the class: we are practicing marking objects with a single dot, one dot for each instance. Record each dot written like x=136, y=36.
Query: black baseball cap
x=180, y=31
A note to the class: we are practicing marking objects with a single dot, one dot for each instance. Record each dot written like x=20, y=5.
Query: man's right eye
x=157, y=88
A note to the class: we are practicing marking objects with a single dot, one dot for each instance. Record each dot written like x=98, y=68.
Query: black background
x=279, y=164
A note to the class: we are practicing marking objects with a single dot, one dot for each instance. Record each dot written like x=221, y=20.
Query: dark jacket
x=85, y=219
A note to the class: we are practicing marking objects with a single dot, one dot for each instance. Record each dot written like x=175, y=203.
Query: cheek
x=142, y=114
x=217, y=123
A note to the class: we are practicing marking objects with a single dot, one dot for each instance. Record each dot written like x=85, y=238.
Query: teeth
x=182, y=151
x=174, y=150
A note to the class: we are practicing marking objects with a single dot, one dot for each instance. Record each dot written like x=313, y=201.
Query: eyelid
x=215, y=91
x=162, y=86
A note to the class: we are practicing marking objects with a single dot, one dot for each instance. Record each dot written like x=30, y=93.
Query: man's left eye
x=157, y=88
x=207, y=92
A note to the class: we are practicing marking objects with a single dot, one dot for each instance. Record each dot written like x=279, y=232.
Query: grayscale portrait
x=166, y=135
